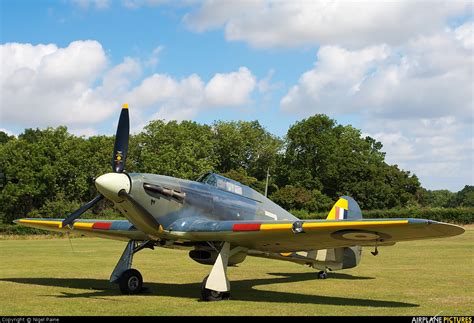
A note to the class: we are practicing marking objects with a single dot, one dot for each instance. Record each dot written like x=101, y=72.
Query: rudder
x=346, y=208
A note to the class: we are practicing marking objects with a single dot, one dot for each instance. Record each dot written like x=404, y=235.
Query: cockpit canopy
x=225, y=184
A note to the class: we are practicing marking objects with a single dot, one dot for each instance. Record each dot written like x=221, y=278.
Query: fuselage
x=149, y=200
x=179, y=205
x=212, y=197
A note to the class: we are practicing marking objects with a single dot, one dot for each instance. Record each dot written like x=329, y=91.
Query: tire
x=322, y=275
x=209, y=295
x=131, y=282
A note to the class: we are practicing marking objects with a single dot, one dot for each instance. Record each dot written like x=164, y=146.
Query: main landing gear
x=216, y=286
x=130, y=280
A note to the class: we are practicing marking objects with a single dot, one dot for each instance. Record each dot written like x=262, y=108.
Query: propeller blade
x=121, y=141
x=70, y=219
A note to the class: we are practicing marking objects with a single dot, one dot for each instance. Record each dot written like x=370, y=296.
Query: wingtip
x=125, y=106
x=448, y=229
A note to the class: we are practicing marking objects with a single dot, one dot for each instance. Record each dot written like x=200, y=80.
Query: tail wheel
x=322, y=275
x=131, y=282
x=210, y=295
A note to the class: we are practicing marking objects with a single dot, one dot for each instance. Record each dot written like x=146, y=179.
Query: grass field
x=45, y=277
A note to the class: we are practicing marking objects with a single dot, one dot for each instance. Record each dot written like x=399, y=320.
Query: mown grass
x=45, y=277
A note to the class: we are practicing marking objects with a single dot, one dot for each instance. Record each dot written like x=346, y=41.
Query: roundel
x=360, y=235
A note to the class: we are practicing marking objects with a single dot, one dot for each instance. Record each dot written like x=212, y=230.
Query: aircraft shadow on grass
x=243, y=290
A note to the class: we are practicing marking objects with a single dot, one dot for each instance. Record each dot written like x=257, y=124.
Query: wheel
x=322, y=275
x=131, y=282
x=210, y=295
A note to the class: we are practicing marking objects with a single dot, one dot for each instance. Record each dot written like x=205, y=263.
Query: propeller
x=121, y=141
x=118, y=161
x=70, y=219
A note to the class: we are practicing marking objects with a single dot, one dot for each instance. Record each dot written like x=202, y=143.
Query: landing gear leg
x=130, y=280
x=216, y=286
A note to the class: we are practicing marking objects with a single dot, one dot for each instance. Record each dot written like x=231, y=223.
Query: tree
x=50, y=171
x=4, y=137
x=440, y=198
x=294, y=197
x=337, y=161
x=464, y=197
x=245, y=145
x=184, y=150
x=42, y=163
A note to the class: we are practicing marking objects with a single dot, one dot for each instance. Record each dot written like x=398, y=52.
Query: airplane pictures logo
x=442, y=319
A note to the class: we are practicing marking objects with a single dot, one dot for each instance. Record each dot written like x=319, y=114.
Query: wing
x=112, y=229
x=272, y=236
x=286, y=236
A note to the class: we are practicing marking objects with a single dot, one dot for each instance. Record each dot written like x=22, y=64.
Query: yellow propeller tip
x=125, y=106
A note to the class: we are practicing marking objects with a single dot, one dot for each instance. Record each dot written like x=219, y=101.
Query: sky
x=400, y=71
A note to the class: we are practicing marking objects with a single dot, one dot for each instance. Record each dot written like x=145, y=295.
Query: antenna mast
x=266, y=184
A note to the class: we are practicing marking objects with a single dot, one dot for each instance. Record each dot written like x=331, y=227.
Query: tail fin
x=346, y=208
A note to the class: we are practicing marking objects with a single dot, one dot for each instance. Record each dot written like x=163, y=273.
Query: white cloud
x=160, y=89
x=172, y=99
x=134, y=4
x=465, y=34
x=336, y=78
x=119, y=78
x=429, y=77
x=439, y=151
x=398, y=147
x=153, y=59
x=416, y=98
x=44, y=85
x=15, y=56
x=98, y=4
x=231, y=88
x=276, y=23
x=265, y=85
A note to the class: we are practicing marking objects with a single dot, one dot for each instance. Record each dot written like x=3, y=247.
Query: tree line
x=50, y=172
